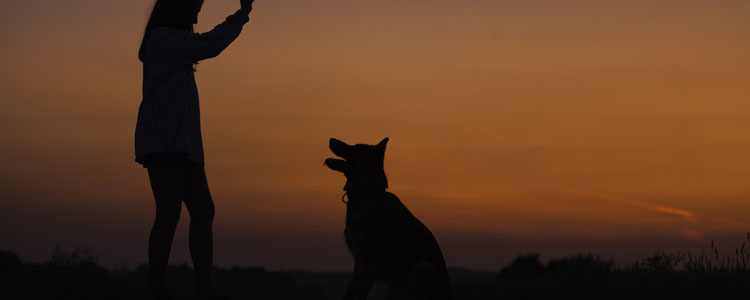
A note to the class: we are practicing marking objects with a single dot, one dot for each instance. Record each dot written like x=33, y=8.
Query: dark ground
x=77, y=275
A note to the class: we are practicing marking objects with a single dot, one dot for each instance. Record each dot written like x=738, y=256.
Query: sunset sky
x=558, y=127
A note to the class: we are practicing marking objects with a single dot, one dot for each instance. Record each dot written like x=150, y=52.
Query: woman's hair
x=178, y=14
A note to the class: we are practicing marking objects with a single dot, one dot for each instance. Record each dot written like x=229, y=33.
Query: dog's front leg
x=360, y=284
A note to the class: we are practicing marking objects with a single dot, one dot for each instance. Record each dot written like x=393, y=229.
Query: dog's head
x=361, y=164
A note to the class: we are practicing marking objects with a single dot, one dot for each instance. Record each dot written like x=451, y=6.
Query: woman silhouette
x=168, y=135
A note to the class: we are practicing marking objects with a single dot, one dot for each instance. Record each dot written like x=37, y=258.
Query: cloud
x=686, y=232
x=689, y=216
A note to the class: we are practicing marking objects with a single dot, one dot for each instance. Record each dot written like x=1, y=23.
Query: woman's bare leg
x=166, y=184
x=200, y=206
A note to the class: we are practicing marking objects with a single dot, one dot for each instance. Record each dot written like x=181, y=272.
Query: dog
x=395, y=255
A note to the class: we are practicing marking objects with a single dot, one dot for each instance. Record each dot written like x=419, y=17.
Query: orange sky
x=618, y=127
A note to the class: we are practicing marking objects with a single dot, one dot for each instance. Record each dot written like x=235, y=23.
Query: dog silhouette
x=395, y=255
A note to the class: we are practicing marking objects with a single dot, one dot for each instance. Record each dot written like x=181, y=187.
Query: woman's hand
x=246, y=6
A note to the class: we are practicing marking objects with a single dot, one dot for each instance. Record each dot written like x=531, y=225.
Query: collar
x=360, y=193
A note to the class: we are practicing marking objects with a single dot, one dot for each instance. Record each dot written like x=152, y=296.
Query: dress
x=169, y=113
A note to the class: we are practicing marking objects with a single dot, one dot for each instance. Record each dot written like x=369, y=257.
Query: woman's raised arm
x=191, y=47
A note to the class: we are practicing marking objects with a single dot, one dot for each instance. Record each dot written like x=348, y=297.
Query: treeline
x=77, y=275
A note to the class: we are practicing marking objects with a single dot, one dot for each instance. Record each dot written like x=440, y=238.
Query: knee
x=203, y=216
x=167, y=217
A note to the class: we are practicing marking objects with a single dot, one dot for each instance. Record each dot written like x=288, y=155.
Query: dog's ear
x=340, y=148
x=381, y=146
x=337, y=164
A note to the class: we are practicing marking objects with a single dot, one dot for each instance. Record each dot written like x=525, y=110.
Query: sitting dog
x=395, y=255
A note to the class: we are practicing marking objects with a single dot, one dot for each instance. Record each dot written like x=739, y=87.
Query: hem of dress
x=169, y=161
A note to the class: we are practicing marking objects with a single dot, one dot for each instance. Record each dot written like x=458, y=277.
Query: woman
x=168, y=135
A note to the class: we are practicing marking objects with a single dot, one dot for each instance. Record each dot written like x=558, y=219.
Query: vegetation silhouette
x=76, y=274
x=395, y=255
x=168, y=138
x=663, y=275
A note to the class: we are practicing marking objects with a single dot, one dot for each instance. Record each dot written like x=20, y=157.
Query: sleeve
x=191, y=47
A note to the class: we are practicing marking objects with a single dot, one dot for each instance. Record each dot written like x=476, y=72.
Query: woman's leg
x=201, y=209
x=166, y=184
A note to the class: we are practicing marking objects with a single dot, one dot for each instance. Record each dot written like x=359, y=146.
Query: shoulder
x=163, y=34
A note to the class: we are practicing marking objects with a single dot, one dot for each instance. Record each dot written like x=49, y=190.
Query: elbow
x=212, y=54
x=207, y=55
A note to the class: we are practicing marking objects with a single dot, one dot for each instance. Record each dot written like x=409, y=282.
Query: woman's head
x=178, y=14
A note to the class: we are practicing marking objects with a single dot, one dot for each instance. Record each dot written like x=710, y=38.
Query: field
x=76, y=274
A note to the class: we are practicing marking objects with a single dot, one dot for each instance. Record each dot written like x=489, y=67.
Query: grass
x=76, y=274
x=705, y=275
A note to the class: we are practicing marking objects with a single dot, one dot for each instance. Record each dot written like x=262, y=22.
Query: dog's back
x=384, y=236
